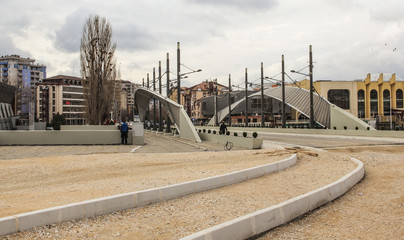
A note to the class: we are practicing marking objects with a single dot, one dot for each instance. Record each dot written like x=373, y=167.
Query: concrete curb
x=105, y=205
x=263, y=220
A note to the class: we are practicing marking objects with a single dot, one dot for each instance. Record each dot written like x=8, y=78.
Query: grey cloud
x=7, y=47
x=69, y=35
x=241, y=4
x=131, y=37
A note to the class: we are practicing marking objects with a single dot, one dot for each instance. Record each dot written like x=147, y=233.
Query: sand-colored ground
x=371, y=210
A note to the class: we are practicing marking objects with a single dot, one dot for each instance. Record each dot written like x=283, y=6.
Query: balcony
x=5, y=74
x=4, y=69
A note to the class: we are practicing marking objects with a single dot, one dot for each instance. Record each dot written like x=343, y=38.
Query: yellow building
x=375, y=96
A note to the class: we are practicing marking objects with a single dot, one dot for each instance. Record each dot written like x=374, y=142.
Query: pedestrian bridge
x=326, y=114
x=174, y=111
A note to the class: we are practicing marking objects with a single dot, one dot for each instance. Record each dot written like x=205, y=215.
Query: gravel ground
x=371, y=210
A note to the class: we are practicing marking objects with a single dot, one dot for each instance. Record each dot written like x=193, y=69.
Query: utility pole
x=154, y=100
x=283, y=94
x=215, y=100
x=246, y=102
x=262, y=96
x=160, y=117
x=178, y=74
x=168, y=129
x=229, y=100
x=148, y=105
x=143, y=82
x=311, y=88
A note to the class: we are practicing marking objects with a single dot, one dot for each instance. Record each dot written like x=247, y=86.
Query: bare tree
x=98, y=68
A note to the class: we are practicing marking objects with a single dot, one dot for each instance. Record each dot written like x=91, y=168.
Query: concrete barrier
x=239, y=141
x=263, y=220
x=100, y=206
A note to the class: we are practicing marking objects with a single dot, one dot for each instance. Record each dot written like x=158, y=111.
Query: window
x=399, y=98
x=373, y=103
x=361, y=103
x=386, y=102
x=339, y=97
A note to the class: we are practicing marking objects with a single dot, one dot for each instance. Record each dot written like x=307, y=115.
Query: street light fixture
x=310, y=75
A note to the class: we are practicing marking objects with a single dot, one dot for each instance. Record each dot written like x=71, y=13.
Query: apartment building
x=61, y=94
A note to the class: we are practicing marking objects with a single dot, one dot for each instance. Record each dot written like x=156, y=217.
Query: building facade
x=61, y=94
x=375, y=98
x=25, y=75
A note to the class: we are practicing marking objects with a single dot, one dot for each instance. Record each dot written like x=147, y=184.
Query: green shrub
x=204, y=130
x=209, y=131
x=335, y=128
x=356, y=128
x=255, y=134
x=368, y=128
x=214, y=131
x=235, y=134
x=244, y=134
x=345, y=127
x=200, y=130
x=227, y=133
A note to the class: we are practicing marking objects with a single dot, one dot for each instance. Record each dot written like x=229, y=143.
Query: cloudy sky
x=350, y=38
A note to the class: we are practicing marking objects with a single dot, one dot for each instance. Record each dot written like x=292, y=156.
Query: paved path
x=154, y=143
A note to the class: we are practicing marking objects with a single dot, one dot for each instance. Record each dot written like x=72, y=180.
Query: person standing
x=223, y=128
x=124, y=132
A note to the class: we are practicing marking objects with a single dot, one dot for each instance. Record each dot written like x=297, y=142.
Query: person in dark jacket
x=124, y=132
x=223, y=128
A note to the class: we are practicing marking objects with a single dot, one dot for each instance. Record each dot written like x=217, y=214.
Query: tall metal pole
x=160, y=117
x=168, y=129
x=229, y=100
x=178, y=74
x=283, y=94
x=215, y=100
x=246, y=102
x=262, y=95
x=311, y=88
x=148, y=105
x=143, y=82
x=154, y=100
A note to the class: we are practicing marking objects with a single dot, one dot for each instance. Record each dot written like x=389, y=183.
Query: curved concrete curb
x=101, y=206
x=263, y=220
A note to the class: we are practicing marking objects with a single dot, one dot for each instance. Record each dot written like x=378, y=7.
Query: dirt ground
x=373, y=209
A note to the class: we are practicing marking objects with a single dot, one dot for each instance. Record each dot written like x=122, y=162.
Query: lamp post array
x=183, y=75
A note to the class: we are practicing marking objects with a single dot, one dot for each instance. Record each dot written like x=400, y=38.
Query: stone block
x=284, y=164
x=267, y=219
x=149, y=196
x=114, y=203
x=295, y=207
x=209, y=183
x=336, y=189
x=8, y=225
x=239, y=228
x=235, y=177
x=318, y=197
x=270, y=168
x=72, y=211
x=255, y=172
x=43, y=217
x=177, y=190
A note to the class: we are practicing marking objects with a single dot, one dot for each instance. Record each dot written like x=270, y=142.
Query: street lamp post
x=246, y=102
x=154, y=100
x=283, y=94
x=262, y=95
x=160, y=118
x=310, y=75
x=311, y=88
x=178, y=74
x=168, y=129
x=229, y=100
